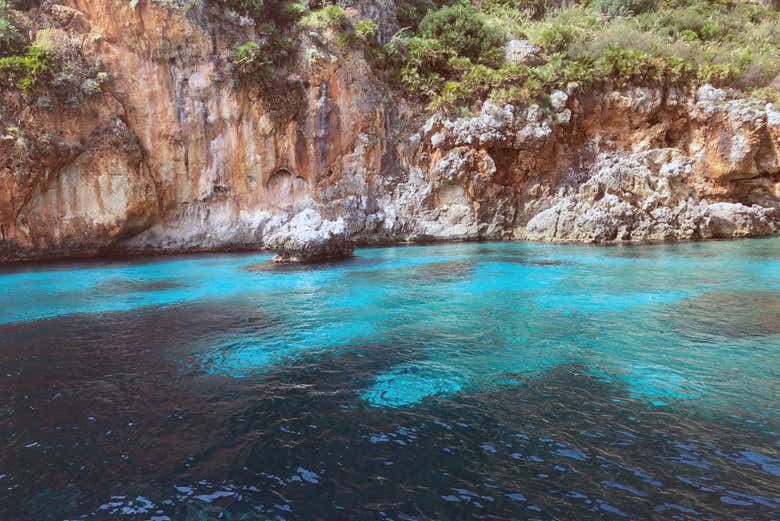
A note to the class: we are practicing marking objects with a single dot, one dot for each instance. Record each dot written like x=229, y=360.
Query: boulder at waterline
x=308, y=237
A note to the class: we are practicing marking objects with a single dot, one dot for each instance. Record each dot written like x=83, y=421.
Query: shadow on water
x=747, y=313
x=120, y=286
x=529, y=261
x=105, y=419
x=426, y=273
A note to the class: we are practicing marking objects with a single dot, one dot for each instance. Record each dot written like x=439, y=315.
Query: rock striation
x=165, y=154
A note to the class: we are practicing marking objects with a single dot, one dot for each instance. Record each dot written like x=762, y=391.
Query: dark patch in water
x=104, y=419
x=530, y=261
x=443, y=271
x=126, y=286
x=731, y=313
x=427, y=274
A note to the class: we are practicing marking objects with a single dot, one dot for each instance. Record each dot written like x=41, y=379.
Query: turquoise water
x=698, y=323
x=685, y=334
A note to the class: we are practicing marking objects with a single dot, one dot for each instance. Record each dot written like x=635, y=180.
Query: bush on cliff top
x=461, y=29
x=624, y=7
x=447, y=42
x=619, y=42
x=450, y=52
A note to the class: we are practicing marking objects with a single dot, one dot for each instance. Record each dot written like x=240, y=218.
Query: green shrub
x=259, y=61
x=410, y=12
x=460, y=27
x=767, y=95
x=11, y=69
x=367, y=30
x=623, y=7
x=422, y=85
x=718, y=73
x=624, y=66
x=252, y=8
x=291, y=12
x=335, y=16
x=256, y=60
x=555, y=37
x=251, y=64
x=331, y=16
x=453, y=57
x=348, y=38
x=11, y=39
x=427, y=54
x=534, y=9
x=26, y=72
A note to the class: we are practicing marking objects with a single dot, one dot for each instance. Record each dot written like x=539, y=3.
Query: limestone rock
x=309, y=238
x=735, y=136
x=558, y=100
x=727, y=220
x=641, y=197
x=491, y=126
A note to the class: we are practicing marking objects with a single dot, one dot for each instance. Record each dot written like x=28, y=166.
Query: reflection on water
x=496, y=381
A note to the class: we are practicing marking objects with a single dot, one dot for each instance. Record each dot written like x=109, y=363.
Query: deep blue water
x=484, y=381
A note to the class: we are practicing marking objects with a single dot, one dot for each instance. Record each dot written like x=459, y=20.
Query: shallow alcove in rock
x=285, y=187
x=308, y=237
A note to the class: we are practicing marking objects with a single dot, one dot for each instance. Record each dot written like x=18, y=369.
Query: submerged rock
x=308, y=237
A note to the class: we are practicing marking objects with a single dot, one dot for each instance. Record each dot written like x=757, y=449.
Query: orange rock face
x=171, y=156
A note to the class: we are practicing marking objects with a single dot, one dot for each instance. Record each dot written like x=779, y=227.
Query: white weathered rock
x=742, y=139
x=491, y=126
x=644, y=196
x=727, y=220
x=523, y=52
x=308, y=237
x=708, y=93
x=558, y=100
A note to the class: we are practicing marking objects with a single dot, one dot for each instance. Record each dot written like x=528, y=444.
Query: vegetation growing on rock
x=11, y=39
x=620, y=42
x=52, y=63
x=26, y=72
x=451, y=54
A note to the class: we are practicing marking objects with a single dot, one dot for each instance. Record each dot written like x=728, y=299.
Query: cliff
x=157, y=150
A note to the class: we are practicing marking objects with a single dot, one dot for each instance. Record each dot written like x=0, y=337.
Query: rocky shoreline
x=168, y=158
x=129, y=255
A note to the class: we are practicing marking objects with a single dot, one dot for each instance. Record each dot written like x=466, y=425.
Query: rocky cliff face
x=171, y=156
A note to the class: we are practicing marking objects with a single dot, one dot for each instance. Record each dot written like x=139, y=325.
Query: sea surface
x=461, y=381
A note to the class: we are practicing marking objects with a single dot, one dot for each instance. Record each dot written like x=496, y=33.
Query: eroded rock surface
x=645, y=196
x=307, y=237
